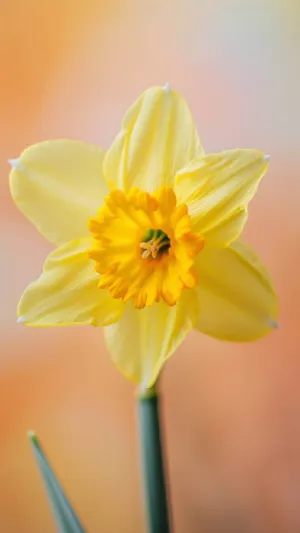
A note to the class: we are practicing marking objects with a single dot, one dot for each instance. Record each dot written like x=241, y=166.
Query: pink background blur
x=231, y=413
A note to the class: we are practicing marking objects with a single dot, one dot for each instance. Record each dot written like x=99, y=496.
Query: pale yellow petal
x=158, y=138
x=217, y=189
x=67, y=292
x=143, y=339
x=58, y=185
x=237, y=300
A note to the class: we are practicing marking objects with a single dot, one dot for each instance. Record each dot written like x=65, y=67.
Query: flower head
x=147, y=237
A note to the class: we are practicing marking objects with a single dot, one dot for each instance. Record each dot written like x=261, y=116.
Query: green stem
x=152, y=460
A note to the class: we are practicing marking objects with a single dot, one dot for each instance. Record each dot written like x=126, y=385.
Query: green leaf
x=66, y=519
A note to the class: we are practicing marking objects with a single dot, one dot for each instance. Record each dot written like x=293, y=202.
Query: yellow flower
x=146, y=235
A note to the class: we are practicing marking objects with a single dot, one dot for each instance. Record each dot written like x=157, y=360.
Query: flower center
x=144, y=247
x=155, y=243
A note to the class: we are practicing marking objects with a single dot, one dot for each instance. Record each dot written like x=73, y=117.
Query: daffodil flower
x=147, y=237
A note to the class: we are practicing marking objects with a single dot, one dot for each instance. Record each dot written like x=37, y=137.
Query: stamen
x=156, y=244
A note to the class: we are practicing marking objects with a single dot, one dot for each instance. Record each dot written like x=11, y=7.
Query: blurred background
x=231, y=412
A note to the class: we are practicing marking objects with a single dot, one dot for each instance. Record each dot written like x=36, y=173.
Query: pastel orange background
x=231, y=412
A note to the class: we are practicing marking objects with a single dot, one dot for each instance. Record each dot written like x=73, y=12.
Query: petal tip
x=16, y=163
x=167, y=87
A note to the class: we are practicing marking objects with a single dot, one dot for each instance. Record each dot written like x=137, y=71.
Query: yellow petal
x=158, y=138
x=59, y=185
x=217, y=189
x=144, y=338
x=67, y=292
x=237, y=300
